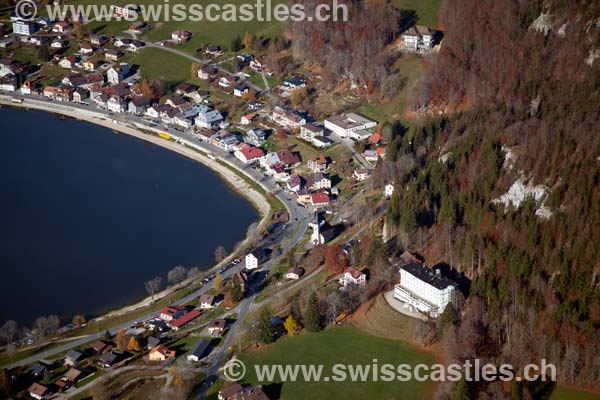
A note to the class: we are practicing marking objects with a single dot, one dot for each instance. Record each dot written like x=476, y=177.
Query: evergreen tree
x=461, y=390
x=449, y=316
x=295, y=310
x=266, y=333
x=236, y=292
x=107, y=336
x=312, y=317
x=236, y=44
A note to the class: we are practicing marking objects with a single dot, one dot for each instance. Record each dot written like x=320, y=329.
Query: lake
x=88, y=215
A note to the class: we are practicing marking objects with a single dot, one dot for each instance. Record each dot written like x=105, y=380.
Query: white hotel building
x=425, y=289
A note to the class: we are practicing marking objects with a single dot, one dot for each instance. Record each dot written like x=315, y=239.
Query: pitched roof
x=164, y=350
x=72, y=374
x=353, y=272
x=39, y=390
x=199, y=347
x=251, y=152
x=319, y=198
x=217, y=323
x=185, y=318
x=207, y=298
x=230, y=390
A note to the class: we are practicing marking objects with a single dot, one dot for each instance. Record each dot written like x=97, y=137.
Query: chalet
x=58, y=44
x=371, y=155
x=169, y=313
x=135, y=46
x=98, y=40
x=216, y=327
x=12, y=67
x=207, y=301
x=294, y=82
x=294, y=273
x=68, y=62
x=293, y=183
x=248, y=154
x=258, y=64
x=122, y=42
x=61, y=27
x=117, y=73
x=240, y=90
x=198, y=351
x=244, y=58
x=425, y=289
x=185, y=319
x=352, y=276
x=225, y=81
x=361, y=174
x=38, y=370
x=101, y=347
x=375, y=138
x=139, y=105
x=420, y=38
x=161, y=353
x=351, y=125
x=224, y=140
x=39, y=391
x=319, y=199
x=156, y=110
x=255, y=137
x=152, y=341
x=380, y=152
x=108, y=359
x=112, y=55
x=72, y=357
x=318, y=181
x=185, y=88
x=90, y=65
x=207, y=118
x=318, y=164
x=287, y=118
x=213, y=50
x=247, y=119
x=86, y=49
x=230, y=391
x=72, y=376
x=207, y=72
x=309, y=131
x=181, y=36
x=137, y=27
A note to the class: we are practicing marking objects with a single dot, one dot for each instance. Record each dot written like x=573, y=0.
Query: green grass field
x=340, y=345
x=426, y=9
x=156, y=63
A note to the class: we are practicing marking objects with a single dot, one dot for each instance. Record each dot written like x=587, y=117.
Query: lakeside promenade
x=185, y=144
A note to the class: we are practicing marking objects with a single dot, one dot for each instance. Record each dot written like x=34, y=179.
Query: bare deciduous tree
x=220, y=254
x=153, y=286
x=176, y=275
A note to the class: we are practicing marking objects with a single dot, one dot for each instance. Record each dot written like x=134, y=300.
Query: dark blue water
x=88, y=215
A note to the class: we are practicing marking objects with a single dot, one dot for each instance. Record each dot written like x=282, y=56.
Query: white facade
x=425, y=290
x=353, y=277
x=351, y=125
x=26, y=28
x=251, y=262
x=389, y=190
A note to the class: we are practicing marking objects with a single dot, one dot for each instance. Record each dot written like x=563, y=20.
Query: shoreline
x=182, y=147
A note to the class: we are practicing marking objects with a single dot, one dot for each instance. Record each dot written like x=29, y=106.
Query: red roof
x=381, y=151
x=185, y=318
x=319, y=198
x=353, y=271
x=287, y=157
x=375, y=138
x=251, y=152
x=172, y=310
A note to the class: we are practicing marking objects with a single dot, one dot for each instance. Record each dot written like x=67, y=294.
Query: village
x=322, y=166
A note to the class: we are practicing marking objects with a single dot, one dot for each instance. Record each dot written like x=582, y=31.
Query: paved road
x=298, y=214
